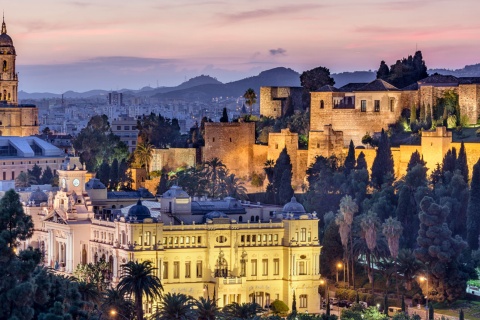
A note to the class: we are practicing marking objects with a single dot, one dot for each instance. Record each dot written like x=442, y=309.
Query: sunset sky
x=112, y=44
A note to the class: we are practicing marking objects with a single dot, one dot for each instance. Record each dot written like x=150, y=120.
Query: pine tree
x=414, y=160
x=350, y=160
x=449, y=161
x=383, y=71
x=224, y=117
x=461, y=163
x=35, y=173
x=382, y=168
x=47, y=176
x=473, y=209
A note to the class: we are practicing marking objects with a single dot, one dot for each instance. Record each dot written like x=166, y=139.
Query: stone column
x=69, y=253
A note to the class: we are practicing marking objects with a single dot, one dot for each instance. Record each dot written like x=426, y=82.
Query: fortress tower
x=15, y=119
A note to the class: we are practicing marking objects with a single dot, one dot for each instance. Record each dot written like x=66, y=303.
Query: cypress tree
x=104, y=173
x=47, y=176
x=382, y=166
x=428, y=115
x=361, y=162
x=461, y=315
x=431, y=311
x=449, y=161
x=414, y=160
x=224, y=117
x=350, y=160
x=162, y=184
x=413, y=114
x=422, y=112
x=282, y=164
x=403, y=303
x=328, y=308
x=294, y=304
x=461, y=163
x=285, y=191
x=114, y=174
x=385, y=305
x=473, y=209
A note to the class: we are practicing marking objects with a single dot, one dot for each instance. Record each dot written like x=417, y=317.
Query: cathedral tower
x=8, y=76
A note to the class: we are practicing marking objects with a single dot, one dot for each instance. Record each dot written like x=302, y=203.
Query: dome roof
x=215, y=215
x=38, y=196
x=94, y=183
x=293, y=207
x=175, y=192
x=5, y=40
x=139, y=211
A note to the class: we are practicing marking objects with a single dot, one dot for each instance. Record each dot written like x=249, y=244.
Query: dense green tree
x=114, y=176
x=250, y=98
x=473, y=209
x=382, y=167
x=285, y=190
x=461, y=163
x=332, y=249
x=103, y=173
x=282, y=165
x=316, y=78
x=361, y=162
x=350, y=162
x=408, y=266
x=175, y=306
x=404, y=72
x=449, y=161
x=47, y=176
x=138, y=279
x=224, y=117
x=113, y=299
x=163, y=183
x=160, y=132
x=294, y=304
x=440, y=252
x=415, y=159
x=96, y=143
x=123, y=175
x=279, y=307
x=383, y=71
x=24, y=180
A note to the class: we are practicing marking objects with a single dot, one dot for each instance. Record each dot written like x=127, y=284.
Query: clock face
x=64, y=183
x=76, y=182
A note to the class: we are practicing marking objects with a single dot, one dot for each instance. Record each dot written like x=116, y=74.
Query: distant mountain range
x=205, y=87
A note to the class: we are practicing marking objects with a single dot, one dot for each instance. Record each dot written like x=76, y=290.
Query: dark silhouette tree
x=383, y=71
x=224, y=117
x=250, y=98
x=316, y=78
x=36, y=173
x=473, y=209
x=350, y=162
x=47, y=176
x=382, y=167
x=461, y=163
x=361, y=162
x=175, y=306
x=103, y=173
x=114, y=176
x=282, y=165
x=415, y=159
x=207, y=309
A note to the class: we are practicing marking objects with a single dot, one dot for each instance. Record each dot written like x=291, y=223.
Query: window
x=242, y=238
x=213, y=139
x=276, y=267
x=193, y=240
x=199, y=269
x=199, y=240
x=392, y=102
x=119, y=127
x=187, y=269
x=363, y=105
x=147, y=238
x=243, y=268
x=254, y=267
x=276, y=145
x=254, y=238
x=376, y=106
x=176, y=269
x=303, y=235
x=303, y=301
x=165, y=270
x=126, y=128
x=322, y=104
x=248, y=238
x=265, y=267
x=301, y=268
x=275, y=237
x=187, y=240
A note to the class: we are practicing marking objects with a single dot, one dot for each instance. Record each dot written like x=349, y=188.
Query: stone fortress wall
x=275, y=100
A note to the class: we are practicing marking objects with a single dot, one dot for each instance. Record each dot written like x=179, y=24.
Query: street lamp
x=339, y=266
x=422, y=279
x=322, y=283
x=114, y=312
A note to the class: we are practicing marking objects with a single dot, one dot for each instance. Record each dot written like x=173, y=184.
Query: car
x=334, y=301
x=364, y=304
x=344, y=304
x=393, y=311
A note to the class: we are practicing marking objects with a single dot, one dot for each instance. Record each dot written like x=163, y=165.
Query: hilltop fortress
x=338, y=115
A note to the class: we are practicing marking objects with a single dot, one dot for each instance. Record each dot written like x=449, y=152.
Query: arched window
x=221, y=267
x=240, y=219
x=4, y=66
x=322, y=104
x=84, y=256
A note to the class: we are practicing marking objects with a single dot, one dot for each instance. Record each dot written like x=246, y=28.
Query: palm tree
x=234, y=187
x=175, y=306
x=214, y=170
x=392, y=229
x=409, y=266
x=24, y=180
x=89, y=292
x=143, y=154
x=242, y=311
x=140, y=280
x=113, y=299
x=348, y=208
x=207, y=309
x=250, y=98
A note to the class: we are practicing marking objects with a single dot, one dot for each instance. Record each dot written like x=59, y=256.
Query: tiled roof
x=349, y=87
x=327, y=88
x=413, y=86
x=469, y=80
x=438, y=78
x=378, y=85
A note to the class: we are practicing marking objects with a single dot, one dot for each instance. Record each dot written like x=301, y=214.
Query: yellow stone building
x=236, y=251
x=15, y=119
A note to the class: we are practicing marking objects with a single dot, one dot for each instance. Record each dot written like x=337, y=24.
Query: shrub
x=279, y=307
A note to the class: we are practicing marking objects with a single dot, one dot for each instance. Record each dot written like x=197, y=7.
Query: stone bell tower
x=8, y=75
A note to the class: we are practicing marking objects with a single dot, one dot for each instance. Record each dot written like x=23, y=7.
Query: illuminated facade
x=15, y=119
x=239, y=252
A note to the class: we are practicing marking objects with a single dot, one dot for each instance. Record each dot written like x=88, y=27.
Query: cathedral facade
x=15, y=119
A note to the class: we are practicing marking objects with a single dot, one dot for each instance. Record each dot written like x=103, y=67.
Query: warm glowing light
x=113, y=312
x=423, y=279
x=322, y=282
x=339, y=265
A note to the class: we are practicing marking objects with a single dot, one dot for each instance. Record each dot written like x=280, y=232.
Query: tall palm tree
x=113, y=299
x=409, y=266
x=24, y=180
x=175, y=306
x=242, y=311
x=207, y=309
x=143, y=154
x=139, y=279
x=215, y=168
x=89, y=292
x=392, y=229
x=250, y=98
x=234, y=187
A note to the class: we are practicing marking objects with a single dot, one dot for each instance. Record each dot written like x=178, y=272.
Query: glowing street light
x=422, y=279
x=339, y=266
x=114, y=312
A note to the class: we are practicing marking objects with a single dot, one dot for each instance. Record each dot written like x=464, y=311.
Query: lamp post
x=322, y=283
x=205, y=289
x=339, y=266
x=114, y=312
x=426, y=296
